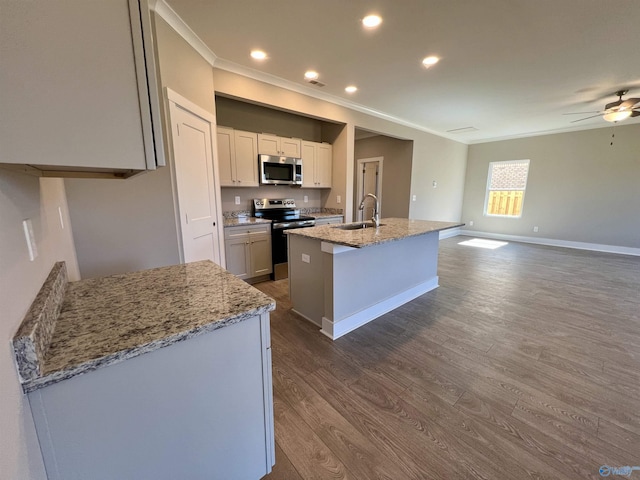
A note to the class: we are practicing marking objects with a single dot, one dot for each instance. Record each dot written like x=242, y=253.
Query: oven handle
x=284, y=226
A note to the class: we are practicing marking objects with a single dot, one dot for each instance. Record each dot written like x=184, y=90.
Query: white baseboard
x=596, y=247
x=335, y=330
x=450, y=232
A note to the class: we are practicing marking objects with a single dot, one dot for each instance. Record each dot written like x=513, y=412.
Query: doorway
x=368, y=180
x=196, y=192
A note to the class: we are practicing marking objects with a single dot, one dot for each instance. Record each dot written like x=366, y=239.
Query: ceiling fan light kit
x=617, y=115
x=618, y=110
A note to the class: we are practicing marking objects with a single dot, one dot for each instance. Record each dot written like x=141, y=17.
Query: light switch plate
x=339, y=199
x=306, y=258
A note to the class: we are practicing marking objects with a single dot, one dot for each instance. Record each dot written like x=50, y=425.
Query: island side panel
x=194, y=409
x=365, y=283
x=306, y=283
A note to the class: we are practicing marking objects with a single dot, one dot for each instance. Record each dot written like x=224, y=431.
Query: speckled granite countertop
x=240, y=221
x=392, y=229
x=107, y=320
x=327, y=215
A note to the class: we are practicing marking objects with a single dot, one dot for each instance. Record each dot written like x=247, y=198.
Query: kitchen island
x=341, y=278
x=163, y=374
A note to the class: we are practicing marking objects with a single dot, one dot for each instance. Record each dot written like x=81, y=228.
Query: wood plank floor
x=524, y=363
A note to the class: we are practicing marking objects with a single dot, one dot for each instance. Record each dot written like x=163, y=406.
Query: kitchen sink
x=357, y=226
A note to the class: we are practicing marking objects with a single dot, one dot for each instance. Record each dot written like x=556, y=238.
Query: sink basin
x=357, y=226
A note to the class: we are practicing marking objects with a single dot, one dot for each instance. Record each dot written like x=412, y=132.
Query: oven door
x=279, y=248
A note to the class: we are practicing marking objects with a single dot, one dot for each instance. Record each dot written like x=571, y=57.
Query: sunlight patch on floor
x=483, y=243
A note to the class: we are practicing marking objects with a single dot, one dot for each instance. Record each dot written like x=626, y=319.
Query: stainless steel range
x=284, y=216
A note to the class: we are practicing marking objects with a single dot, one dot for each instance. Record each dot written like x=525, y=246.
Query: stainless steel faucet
x=376, y=209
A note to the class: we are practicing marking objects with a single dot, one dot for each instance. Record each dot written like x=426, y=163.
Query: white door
x=193, y=160
x=369, y=180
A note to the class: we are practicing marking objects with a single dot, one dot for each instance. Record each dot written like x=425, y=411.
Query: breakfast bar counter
x=342, y=277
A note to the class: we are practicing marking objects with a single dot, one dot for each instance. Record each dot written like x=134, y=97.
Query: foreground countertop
x=107, y=320
x=391, y=229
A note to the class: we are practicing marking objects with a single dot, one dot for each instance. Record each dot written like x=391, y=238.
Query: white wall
x=127, y=225
x=23, y=197
x=580, y=187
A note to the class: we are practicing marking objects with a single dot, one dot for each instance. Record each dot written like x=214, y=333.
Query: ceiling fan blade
x=587, y=118
x=629, y=102
x=611, y=105
x=580, y=113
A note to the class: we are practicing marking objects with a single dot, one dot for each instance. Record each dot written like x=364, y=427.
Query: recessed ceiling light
x=430, y=61
x=311, y=75
x=258, y=54
x=372, y=21
x=351, y=89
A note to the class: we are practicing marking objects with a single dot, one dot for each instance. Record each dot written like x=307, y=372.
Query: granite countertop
x=107, y=320
x=391, y=229
x=326, y=215
x=240, y=221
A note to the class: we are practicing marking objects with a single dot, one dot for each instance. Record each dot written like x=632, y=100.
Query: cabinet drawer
x=242, y=230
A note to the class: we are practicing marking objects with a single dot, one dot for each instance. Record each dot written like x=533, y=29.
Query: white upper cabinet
x=79, y=91
x=274, y=145
x=246, y=144
x=316, y=164
x=237, y=158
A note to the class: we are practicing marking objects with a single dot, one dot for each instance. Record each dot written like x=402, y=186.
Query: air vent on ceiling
x=316, y=83
x=463, y=130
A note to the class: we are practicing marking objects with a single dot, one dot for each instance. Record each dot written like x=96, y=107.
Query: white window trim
x=486, y=190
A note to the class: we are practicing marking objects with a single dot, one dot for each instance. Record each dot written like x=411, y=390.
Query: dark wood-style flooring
x=524, y=363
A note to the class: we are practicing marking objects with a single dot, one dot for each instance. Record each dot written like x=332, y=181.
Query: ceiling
x=508, y=68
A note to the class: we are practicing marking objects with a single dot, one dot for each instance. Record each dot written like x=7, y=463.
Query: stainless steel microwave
x=275, y=170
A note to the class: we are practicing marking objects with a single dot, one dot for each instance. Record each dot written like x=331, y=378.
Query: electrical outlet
x=535, y=229
x=338, y=199
x=306, y=199
x=414, y=198
x=471, y=223
x=306, y=258
x=31, y=241
x=237, y=200
x=435, y=184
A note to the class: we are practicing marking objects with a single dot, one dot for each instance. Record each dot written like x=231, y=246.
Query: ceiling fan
x=615, y=111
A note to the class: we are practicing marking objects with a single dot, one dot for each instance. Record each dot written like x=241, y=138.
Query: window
x=506, y=184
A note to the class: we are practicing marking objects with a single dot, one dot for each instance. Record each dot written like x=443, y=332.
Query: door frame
x=175, y=100
x=359, y=187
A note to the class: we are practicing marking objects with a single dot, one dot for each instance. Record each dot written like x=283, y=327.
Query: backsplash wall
x=268, y=191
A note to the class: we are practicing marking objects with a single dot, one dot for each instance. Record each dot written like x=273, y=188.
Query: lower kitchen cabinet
x=248, y=250
x=197, y=409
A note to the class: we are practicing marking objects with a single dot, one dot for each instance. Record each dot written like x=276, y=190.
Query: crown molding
x=162, y=8
x=541, y=133
x=168, y=14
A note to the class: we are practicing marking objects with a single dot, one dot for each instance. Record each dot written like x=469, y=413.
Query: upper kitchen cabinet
x=79, y=91
x=316, y=164
x=274, y=145
x=237, y=158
